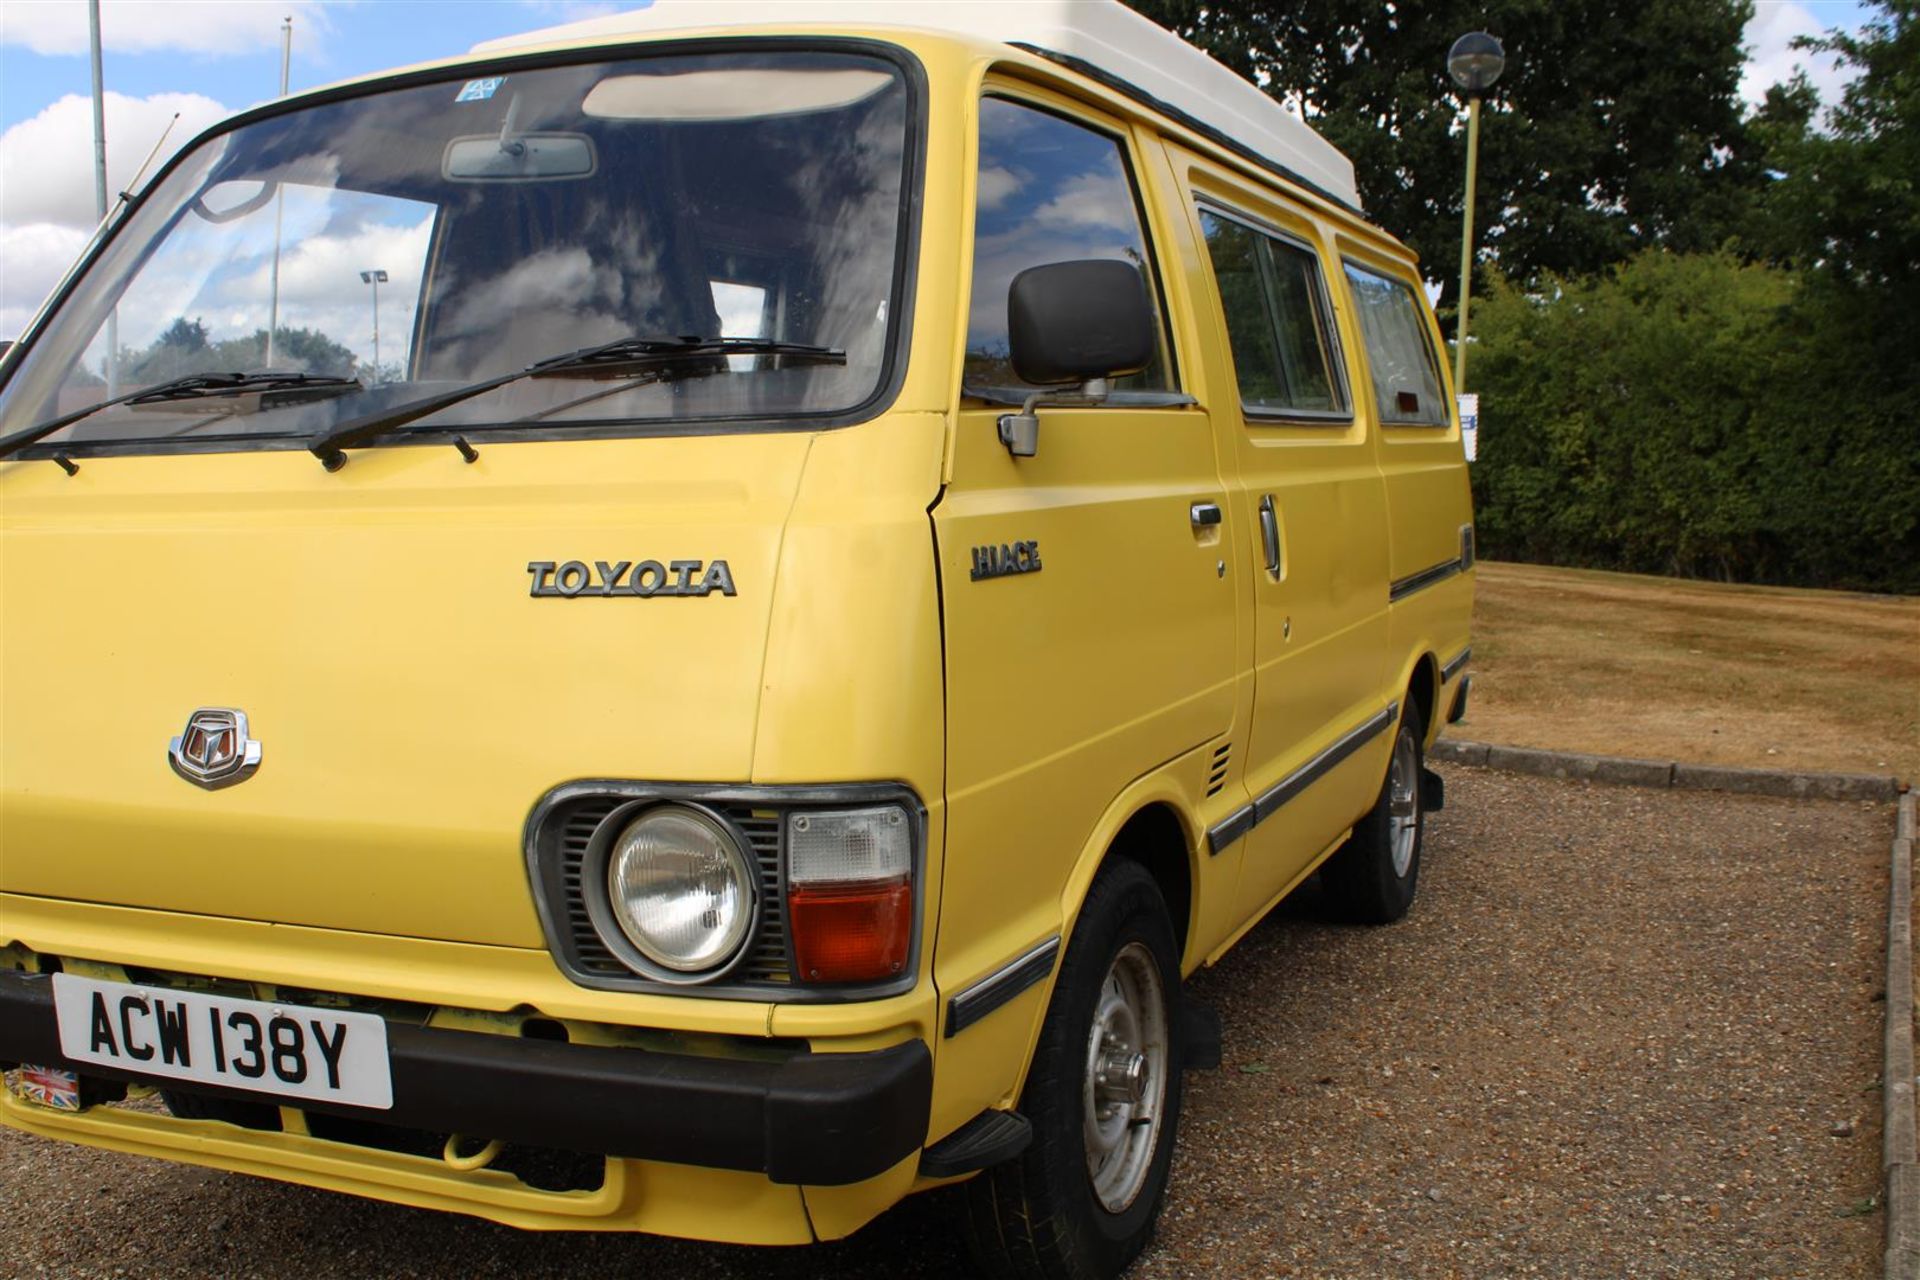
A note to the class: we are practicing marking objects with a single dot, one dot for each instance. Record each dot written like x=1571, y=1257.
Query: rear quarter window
x=1400, y=355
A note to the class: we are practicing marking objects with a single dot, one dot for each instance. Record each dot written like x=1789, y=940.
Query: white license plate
x=287, y=1050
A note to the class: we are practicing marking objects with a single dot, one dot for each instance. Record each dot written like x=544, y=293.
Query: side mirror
x=1074, y=324
x=1071, y=322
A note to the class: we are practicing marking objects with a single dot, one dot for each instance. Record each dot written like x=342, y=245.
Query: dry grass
x=1661, y=668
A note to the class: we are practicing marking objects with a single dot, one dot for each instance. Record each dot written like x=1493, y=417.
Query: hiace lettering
x=1009, y=557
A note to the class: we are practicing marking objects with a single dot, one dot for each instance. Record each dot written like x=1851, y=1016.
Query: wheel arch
x=1151, y=823
x=1422, y=688
x=1155, y=837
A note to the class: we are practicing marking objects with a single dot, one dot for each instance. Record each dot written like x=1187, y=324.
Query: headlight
x=681, y=888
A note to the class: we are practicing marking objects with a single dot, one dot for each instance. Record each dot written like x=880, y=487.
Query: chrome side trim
x=1422, y=580
x=977, y=1001
x=1270, y=801
x=1437, y=573
x=1452, y=669
x=1225, y=833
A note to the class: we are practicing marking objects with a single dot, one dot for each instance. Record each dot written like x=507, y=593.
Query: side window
x=1406, y=382
x=1277, y=325
x=1050, y=191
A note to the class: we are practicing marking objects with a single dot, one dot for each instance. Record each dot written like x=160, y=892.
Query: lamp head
x=1475, y=62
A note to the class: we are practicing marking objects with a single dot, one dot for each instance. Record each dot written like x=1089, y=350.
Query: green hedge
x=1696, y=416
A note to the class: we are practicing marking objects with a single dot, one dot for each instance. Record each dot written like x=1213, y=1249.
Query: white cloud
x=201, y=27
x=220, y=275
x=320, y=288
x=1772, y=59
x=35, y=256
x=47, y=209
x=996, y=185
x=1094, y=199
x=46, y=162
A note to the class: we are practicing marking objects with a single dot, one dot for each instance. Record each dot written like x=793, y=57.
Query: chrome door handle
x=1270, y=534
x=1202, y=514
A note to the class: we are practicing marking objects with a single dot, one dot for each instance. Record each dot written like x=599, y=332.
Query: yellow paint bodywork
x=415, y=701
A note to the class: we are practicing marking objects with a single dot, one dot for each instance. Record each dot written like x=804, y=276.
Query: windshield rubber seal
x=900, y=306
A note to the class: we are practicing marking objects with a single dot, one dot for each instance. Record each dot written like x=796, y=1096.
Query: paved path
x=1614, y=1038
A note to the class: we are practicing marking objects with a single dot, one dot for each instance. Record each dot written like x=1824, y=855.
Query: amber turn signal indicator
x=860, y=932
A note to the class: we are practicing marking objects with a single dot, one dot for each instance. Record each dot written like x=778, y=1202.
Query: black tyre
x=1373, y=877
x=1103, y=1096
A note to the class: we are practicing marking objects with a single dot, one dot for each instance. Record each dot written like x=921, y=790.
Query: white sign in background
x=1470, y=423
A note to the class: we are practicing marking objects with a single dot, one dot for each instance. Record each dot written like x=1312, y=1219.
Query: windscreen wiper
x=195, y=386
x=658, y=358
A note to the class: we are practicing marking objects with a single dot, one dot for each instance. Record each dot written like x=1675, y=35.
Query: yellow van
x=689, y=624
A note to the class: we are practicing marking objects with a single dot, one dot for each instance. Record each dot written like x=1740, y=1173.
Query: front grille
x=768, y=960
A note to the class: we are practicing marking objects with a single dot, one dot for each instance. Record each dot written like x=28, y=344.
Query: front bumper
x=814, y=1119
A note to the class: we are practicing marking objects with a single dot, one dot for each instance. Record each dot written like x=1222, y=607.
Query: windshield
x=425, y=238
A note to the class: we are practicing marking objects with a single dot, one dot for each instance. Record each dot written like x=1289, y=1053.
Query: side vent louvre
x=1217, y=772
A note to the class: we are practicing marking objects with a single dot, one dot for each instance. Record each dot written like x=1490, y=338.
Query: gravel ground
x=1621, y=1034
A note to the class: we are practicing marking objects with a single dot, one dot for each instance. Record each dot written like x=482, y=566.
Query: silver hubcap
x=1403, y=803
x=1126, y=1080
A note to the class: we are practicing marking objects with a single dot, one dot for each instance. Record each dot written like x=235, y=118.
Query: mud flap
x=1433, y=791
x=1200, y=1035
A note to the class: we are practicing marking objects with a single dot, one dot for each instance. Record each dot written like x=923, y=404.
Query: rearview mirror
x=1075, y=322
x=526, y=157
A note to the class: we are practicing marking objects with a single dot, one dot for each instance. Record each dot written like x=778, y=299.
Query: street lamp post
x=1475, y=62
x=100, y=184
x=376, y=278
x=279, y=198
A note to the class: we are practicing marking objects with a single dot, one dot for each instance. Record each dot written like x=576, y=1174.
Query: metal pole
x=279, y=196
x=376, y=327
x=1466, y=245
x=100, y=183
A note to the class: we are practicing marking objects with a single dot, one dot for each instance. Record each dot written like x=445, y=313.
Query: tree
x=1844, y=202
x=1689, y=414
x=184, y=347
x=180, y=349
x=303, y=350
x=1617, y=124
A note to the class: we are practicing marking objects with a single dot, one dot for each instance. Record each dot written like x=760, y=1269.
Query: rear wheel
x=1103, y=1096
x=1373, y=877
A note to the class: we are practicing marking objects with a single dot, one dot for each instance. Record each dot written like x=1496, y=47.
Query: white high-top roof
x=1104, y=33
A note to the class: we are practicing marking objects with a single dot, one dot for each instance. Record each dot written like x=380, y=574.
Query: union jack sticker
x=48, y=1086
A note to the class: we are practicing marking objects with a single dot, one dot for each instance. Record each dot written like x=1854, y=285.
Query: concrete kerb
x=1669, y=773
x=1899, y=1161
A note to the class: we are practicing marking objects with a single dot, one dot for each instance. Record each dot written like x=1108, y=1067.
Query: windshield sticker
x=480, y=90
x=625, y=578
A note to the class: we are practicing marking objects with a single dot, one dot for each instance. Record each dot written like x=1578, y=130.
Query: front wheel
x=1103, y=1096
x=1372, y=878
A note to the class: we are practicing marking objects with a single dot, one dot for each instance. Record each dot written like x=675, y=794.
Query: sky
x=209, y=58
